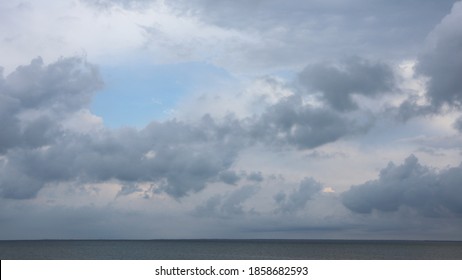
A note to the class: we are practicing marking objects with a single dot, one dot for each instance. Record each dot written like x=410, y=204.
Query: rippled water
x=230, y=249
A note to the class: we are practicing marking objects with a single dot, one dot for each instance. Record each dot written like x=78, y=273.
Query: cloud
x=243, y=36
x=305, y=126
x=40, y=150
x=410, y=185
x=34, y=97
x=298, y=199
x=255, y=176
x=227, y=205
x=442, y=61
x=42, y=146
x=458, y=124
x=338, y=83
x=296, y=102
x=229, y=177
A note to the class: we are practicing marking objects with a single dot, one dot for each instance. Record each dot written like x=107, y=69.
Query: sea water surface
x=229, y=249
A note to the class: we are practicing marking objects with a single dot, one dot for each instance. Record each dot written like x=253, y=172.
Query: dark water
x=230, y=249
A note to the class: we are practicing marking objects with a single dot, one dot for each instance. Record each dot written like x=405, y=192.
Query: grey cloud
x=255, y=176
x=227, y=205
x=232, y=205
x=338, y=83
x=229, y=177
x=303, y=125
x=177, y=168
x=281, y=35
x=35, y=97
x=412, y=185
x=458, y=124
x=298, y=199
x=128, y=189
x=442, y=61
x=323, y=155
x=176, y=157
x=66, y=85
x=180, y=158
x=409, y=108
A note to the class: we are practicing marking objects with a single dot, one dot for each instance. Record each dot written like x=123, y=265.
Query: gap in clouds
x=136, y=94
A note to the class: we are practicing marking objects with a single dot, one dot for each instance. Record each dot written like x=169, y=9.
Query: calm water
x=229, y=249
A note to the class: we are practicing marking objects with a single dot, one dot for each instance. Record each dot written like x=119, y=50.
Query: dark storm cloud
x=411, y=185
x=338, y=83
x=442, y=61
x=298, y=199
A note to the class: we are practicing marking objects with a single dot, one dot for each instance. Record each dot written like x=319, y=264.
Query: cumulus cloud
x=411, y=185
x=177, y=157
x=293, y=122
x=39, y=150
x=36, y=97
x=338, y=83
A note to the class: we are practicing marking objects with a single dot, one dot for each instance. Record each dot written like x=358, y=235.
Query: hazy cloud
x=297, y=200
x=255, y=176
x=271, y=34
x=458, y=124
x=227, y=205
x=229, y=177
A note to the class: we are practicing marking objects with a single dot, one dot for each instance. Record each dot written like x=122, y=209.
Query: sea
x=229, y=250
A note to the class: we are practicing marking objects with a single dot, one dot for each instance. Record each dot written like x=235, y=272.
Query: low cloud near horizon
x=298, y=120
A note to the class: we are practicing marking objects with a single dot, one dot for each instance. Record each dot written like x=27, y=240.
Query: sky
x=151, y=119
